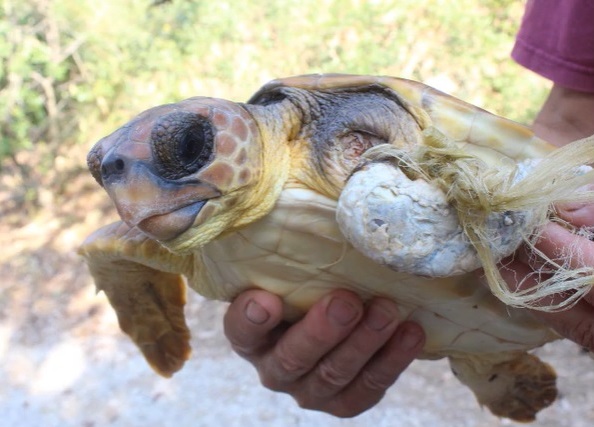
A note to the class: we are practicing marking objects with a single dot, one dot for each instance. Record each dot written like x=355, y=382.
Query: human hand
x=340, y=358
x=565, y=116
x=556, y=242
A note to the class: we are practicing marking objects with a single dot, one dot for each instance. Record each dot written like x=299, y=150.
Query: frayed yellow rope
x=477, y=189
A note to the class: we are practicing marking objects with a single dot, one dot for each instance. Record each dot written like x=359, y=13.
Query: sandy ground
x=92, y=376
x=64, y=362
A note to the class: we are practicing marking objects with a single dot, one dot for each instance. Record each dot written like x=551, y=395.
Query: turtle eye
x=191, y=144
x=182, y=143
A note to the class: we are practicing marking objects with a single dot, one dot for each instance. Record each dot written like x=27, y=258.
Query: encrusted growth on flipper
x=477, y=190
x=409, y=224
x=498, y=205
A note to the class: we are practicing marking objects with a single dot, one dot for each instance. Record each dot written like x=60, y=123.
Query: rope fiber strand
x=477, y=190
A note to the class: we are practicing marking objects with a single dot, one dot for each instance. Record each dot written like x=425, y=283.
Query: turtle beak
x=161, y=208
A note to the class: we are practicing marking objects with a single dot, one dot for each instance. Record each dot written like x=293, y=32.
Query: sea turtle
x=380, y=185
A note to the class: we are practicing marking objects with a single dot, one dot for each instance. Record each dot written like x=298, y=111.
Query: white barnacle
x=507, y=219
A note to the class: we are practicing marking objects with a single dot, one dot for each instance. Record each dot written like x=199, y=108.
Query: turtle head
x=182, y=173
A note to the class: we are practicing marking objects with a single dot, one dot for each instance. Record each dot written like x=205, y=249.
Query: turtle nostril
x=112, y=166
x=119, y=165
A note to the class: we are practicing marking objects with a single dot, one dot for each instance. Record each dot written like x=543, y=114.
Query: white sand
x=90, y=375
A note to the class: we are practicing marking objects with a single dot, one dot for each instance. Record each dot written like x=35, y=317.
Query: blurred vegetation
x=73, y=70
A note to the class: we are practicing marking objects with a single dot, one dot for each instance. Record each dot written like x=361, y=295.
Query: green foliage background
x=73, y=70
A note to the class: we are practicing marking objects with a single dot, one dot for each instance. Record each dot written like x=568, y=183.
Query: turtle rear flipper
x=149, y=303
x=517, y=388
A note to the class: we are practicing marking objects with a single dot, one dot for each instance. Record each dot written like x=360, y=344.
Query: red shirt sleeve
x=556, y=40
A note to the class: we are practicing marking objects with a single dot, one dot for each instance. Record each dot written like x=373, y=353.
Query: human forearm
x=567, y=115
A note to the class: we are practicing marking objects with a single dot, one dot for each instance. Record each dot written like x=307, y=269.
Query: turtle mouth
x=169, y=225
x=160, y=208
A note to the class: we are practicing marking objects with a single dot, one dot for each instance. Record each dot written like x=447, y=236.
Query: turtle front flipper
x=517, y=387
x=148, y=299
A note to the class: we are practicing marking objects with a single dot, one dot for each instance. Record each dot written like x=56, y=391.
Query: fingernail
x=378, y=317
x=342, y=311
x=410, y=336
x=255, y=313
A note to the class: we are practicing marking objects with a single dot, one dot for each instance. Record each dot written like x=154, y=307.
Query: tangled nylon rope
x=477, y=190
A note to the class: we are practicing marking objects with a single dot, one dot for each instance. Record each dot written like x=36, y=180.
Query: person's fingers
x=340, y=358
x=563, y=247
x=301, y=347
x=382, y=371
x=575, y=323
x=521, y=276
x=250, y=320
x=578, y=214
x=339, y=367
x=559, y=243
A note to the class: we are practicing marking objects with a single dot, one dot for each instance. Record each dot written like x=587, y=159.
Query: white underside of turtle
x=275, y=252
x=484, y=339
x=378, y=185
